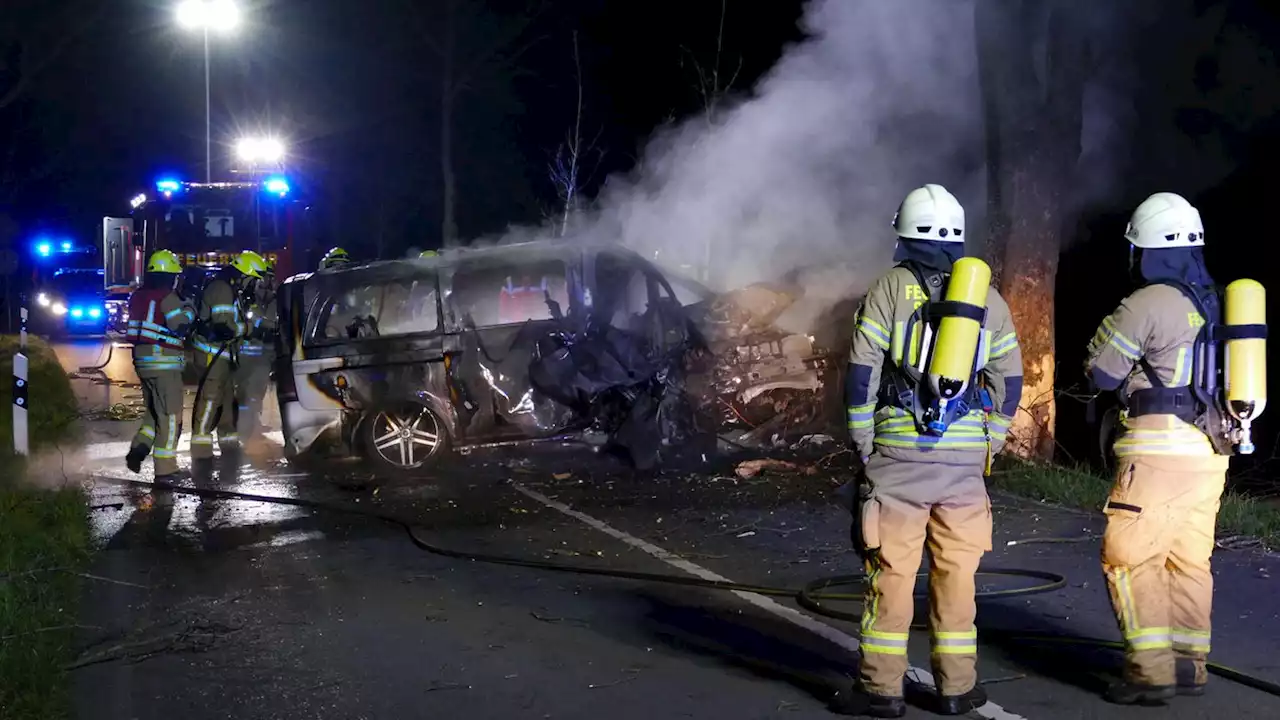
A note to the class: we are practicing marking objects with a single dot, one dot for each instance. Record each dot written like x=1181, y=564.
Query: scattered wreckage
x=403, y=361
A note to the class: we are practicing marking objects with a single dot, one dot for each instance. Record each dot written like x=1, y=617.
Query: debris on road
x=751, y=468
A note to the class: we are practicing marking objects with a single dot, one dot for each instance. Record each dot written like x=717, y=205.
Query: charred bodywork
x=402, y=360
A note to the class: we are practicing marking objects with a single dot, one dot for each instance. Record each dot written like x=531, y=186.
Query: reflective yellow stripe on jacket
x=896, y=428
x=1161, y=435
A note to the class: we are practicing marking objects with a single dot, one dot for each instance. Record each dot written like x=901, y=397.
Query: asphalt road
x=245, y=610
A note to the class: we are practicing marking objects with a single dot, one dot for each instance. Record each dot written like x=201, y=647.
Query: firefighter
x=257, y=352
x=926, y=442
x=221, y=325
x=1170, y=474
x=158, y=324
x=337, y=257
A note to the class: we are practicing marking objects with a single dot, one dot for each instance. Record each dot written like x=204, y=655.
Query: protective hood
x=1185, y=264
x=931, y=254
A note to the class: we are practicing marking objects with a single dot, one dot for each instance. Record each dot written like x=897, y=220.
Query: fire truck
x=205, y=225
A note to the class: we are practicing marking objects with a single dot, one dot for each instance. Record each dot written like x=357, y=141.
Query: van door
x=369, y=338
x=503, y=306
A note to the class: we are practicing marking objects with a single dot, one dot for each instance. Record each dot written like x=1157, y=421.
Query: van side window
x=504, y=293
x=404, y=306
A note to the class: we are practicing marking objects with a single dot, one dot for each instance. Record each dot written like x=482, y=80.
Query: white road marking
x=807, y=622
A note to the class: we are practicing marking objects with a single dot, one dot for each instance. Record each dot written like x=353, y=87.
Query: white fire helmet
x=1165, y=220
x=930, y=213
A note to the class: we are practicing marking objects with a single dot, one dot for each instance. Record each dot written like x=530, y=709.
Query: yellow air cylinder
x=956, y=343
x=1245, y=359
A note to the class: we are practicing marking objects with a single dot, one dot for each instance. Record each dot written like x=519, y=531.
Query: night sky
x=354, y=88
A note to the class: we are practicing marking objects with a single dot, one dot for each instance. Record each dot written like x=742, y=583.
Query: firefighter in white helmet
x=1160, y=350
x=935, y=375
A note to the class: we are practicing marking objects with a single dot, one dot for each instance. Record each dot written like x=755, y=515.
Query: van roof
x=531, y=250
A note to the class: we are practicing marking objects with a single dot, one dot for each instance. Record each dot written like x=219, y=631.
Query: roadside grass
x=1085, y=489
x=44, y=545
x=54, y=411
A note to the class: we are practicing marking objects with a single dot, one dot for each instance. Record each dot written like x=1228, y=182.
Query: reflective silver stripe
x=882, y=642
x=1191, y=640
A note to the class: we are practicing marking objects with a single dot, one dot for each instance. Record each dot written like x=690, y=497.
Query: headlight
x=43, y=300
x=59, y=309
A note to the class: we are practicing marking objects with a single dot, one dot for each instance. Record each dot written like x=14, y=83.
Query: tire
x=405, y=438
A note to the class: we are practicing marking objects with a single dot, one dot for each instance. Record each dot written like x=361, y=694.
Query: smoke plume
x=808, y=170
x=803, y=175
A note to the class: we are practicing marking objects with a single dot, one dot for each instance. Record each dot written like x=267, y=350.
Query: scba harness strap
x=907, y=387
x=1199, y=402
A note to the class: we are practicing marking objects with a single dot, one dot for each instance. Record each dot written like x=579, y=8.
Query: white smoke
x=807, y=171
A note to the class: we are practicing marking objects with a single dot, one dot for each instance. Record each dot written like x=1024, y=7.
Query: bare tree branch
x=567, y=166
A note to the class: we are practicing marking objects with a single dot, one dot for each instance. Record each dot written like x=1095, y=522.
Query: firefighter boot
x=962, y=704
x=137, y=454
x=1191, y=677
x=858, y=702
x=202, y=470
x=1131, y=693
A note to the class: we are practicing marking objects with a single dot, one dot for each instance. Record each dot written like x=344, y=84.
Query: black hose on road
x=808, y=597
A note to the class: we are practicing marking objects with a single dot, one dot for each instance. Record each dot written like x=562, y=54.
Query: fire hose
x=810, y=597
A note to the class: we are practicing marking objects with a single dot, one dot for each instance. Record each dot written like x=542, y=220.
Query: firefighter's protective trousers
x=942, y=509
x=1160, y=523
x=253, y=379
x=162, y=425
x=215, y=406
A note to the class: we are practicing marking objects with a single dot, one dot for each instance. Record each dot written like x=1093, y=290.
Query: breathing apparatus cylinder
x=955, y=347
x=1245, y=304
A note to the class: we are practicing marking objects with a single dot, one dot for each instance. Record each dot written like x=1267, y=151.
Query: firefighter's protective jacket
x=222, y=322
x=158, y=324
x=880, y=345
x=1157, y=324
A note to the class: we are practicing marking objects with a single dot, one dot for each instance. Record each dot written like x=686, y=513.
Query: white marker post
x=21, y=442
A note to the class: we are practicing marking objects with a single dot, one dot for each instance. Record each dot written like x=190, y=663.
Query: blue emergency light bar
x=277, y=186
x=168, y=186
x=44, y=246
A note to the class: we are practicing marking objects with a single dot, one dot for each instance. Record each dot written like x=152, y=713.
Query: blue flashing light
x=44, y=249
x=168, y=186
x=77, y=312
x=277, y=186
x=95, y=312
x=66, y=246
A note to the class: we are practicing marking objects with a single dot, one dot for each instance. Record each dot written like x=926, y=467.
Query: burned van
x=401, y=361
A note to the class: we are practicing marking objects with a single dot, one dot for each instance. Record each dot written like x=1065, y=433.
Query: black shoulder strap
x=1204, y=360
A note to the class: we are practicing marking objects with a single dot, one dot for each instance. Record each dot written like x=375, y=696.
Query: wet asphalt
x=230, y=609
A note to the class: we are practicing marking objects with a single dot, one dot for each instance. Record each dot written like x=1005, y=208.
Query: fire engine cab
x=205, y=224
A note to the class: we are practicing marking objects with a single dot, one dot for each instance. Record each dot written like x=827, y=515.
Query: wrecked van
x=402, y=361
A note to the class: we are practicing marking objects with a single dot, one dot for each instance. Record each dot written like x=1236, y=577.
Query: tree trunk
x=448, y=181
x=1033, y=124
